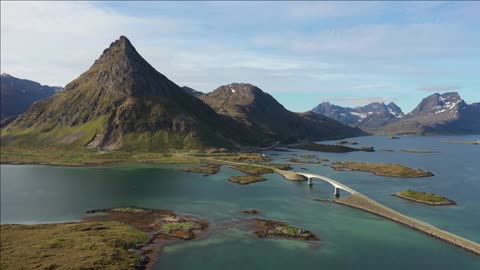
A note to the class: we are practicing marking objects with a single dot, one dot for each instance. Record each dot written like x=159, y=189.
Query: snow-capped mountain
x=444, y=113
x=436, y=114
x=372, y=115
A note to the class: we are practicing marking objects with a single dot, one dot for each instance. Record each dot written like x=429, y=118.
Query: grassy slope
x=97, y=245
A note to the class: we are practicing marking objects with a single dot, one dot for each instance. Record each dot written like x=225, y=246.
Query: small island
x=296, y=160
x=417, y=151
x=423, y=197
x=330, y=148
x=463, y=142
x=210, y=169
x=346, y=142
x=246, y=179
x=278, y=229
x=382, y=169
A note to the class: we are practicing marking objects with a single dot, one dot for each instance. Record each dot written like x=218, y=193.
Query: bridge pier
x=336, y=193
x=310, y=181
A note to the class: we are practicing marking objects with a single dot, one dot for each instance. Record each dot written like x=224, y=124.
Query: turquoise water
x=350, y=239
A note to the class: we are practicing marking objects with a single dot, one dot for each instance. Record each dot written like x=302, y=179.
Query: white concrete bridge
x=337, y=186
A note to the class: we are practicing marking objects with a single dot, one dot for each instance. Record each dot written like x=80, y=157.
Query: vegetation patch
x=278, y=229
x=91, y=245
x=178, y=225
x=296, y=160
x=331, y=148
x=383, y=169
x=204, y=169
x=253, y=169
x=129, y=210
x=423, y=197
x=246, y=179
x=284, y=167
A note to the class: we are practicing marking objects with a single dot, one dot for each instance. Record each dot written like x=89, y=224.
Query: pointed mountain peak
x=120, y=48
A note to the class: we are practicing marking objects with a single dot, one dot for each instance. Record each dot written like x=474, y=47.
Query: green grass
x=428, y=198
x=383, y=169
x=179, y=225
x=94, y=245
x=288, y=229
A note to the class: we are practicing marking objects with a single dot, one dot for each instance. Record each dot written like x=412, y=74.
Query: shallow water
x=350, y=239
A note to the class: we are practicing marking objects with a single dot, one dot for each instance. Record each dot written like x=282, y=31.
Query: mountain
x=192, y=91
x=373, y=115
x=439, y=114
x=16, y=95
x=122, y=102
x=263, y=115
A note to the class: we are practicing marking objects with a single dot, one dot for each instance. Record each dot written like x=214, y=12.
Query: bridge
x=362, y=202
x=337, y=186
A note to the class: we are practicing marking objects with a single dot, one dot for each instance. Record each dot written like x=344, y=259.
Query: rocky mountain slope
x=122, y=102
x=269, y=120
x=436, y=114
x=192, y=91
x=16, y=95
x=439, y=114
x=373, y=115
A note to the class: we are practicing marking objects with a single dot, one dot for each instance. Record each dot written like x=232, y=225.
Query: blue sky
x=303, y=53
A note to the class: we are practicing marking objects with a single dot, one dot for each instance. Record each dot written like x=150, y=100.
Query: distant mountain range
x=122, y=103
x=16, y=95
x=436, y=114
x=264, y=116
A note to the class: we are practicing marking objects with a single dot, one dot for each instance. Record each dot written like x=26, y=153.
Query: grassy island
x=204, y=169
x=331, y=148
x=423, y=197
x=382, y=169
x=92, y=245
x=296, y=160
x=246, y=179
x=273, y=228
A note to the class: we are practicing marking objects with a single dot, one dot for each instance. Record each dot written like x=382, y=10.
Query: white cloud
x=439, y=88
x=384, y=40
x=326, y=9
x=360, y=100
x=53, y=42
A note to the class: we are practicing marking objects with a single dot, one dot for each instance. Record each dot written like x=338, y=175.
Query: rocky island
x=246, y=179
x=382, y=169
x=272, y=228
x=423, y=197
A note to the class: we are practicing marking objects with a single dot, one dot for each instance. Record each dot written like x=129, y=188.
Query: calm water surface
x=350, y=239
